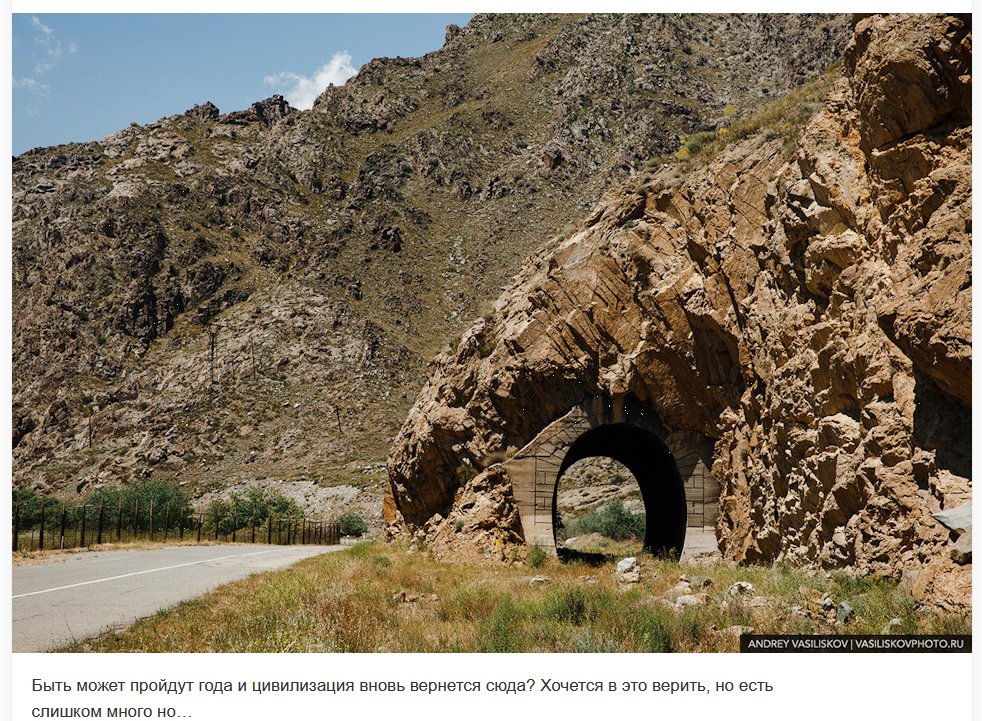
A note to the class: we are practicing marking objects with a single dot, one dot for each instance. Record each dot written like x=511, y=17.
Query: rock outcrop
x=806, y=306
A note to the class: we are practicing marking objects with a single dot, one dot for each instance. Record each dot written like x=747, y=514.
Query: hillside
x=223, y=299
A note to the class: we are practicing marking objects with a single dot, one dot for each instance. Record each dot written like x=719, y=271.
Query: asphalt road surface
x=86, y=594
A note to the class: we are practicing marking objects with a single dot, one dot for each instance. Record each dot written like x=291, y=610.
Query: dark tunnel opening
x=653, y=467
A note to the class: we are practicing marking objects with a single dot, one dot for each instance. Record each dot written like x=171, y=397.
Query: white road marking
x=149, y=570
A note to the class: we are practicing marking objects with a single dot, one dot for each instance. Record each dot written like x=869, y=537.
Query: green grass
x=397, y=599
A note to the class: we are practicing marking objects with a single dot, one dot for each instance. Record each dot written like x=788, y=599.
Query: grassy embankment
x=399, y=599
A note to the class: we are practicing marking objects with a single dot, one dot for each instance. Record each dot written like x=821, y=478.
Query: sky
x=79, y=77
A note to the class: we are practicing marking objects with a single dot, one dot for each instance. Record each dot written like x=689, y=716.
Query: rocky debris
x=690, y=600
x=586, y=542
x=958, y=519
x=807, y=312
x=961, y=551
x=487, y=525
x=737, y=631
x=894, y=625
x=844, y=613
x=741, y=588
x=537, y=580
x=681, y=587
x=627, y=570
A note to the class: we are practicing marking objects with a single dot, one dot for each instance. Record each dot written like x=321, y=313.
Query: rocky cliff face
x=226, y=298
x=806, y=306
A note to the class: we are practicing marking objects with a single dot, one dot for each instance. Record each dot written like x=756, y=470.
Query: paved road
x=88, y=593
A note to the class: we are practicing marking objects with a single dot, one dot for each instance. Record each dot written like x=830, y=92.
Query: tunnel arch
x=672, y=467
x=651, y=463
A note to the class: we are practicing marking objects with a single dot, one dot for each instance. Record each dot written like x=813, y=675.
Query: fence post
x=41, y=536
x=16, y=524
x=82, y=542
x=269, y=529
x=180, y=524
x=166, y=521
x=98, y=538
x=151, y=520
x=252, y=523
x=64, y=516
x=200, y=521
x=119, y=522
x=136, y=517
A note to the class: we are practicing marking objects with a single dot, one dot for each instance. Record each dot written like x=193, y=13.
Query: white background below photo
x=805, y=686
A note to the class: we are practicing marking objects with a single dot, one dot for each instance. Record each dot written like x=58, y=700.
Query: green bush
x=353, y=525
x=613, y=521
x=168, y=501
x=27, y=505
x=255, y=506
x=166, y=497
x=537, y=556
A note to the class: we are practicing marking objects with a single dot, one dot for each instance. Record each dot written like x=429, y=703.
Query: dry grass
x=783, y=118
x=36, y=557
x=391, y=599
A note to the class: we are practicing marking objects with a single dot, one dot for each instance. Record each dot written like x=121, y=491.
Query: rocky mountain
x=803, y=306
x=253, y=296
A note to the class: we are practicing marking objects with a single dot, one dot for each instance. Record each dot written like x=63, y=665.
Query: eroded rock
x=811, y=315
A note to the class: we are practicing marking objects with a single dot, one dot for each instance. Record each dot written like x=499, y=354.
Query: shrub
x=613, y=521
x=568, y=605
x=500, y=633
x=255, y=506
x=353, y=525
x=464, y=473
x=168, y=500
x=166, y=497
x=537, y=556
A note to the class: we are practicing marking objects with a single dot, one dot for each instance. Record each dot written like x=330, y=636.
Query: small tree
x=353, y=525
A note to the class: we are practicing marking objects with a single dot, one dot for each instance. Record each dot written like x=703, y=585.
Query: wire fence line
x=56, y=526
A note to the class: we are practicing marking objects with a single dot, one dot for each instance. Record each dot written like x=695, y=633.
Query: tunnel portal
x=671, y=468
x=653, y=467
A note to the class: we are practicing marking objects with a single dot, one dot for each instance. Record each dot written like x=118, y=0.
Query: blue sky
x=81, y=77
